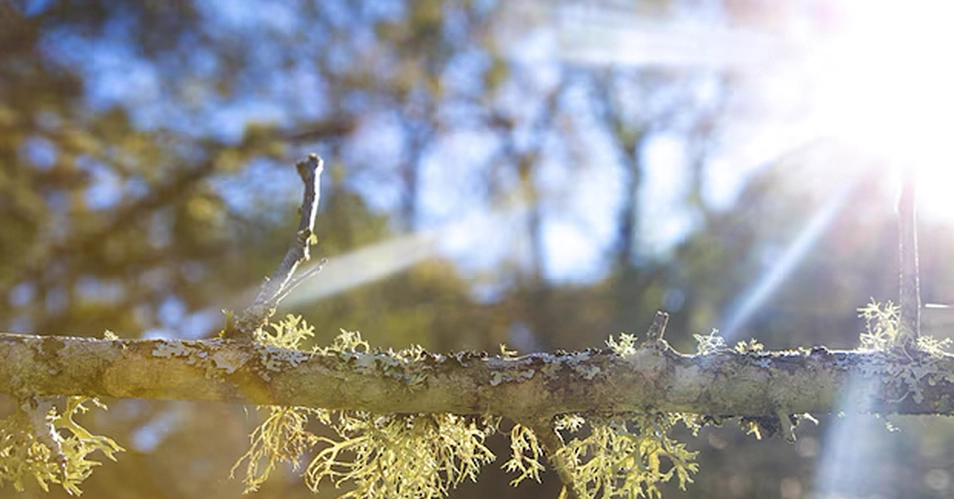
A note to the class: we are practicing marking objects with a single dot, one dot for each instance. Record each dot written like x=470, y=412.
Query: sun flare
x=883, y=84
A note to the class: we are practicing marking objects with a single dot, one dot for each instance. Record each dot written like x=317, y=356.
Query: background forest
x=540, y=174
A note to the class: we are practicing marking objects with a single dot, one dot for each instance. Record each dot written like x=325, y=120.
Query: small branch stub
x=281, y=282
x=656, y=331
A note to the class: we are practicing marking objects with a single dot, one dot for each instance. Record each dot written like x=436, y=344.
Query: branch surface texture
x=649, y=377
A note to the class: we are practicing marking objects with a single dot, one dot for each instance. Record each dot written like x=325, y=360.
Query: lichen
x=411, y=366
x=903, y=370
x=626, y=455
x=208, y=356
x=709, y=343
x=625, y=347
x=579, y=362
x=274, y=359
x=525, y=454
x=375, y=455
x=511, y=376
x=51, y=447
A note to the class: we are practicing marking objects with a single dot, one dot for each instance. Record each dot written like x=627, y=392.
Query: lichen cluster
x=426, y=455
x=626, y=455
x=50, y=447
x=409, y=455
x=905, y=370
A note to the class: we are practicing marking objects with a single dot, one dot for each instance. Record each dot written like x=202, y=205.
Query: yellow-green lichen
x=903, y=370
x=624, y=347
x=393, y=456
x=49, y=446
x=626, y=455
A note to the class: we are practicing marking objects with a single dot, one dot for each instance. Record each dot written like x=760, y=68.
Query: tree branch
x=280, y=283
x=910, y=287
x=528, y=388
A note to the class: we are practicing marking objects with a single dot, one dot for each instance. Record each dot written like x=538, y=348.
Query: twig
x=304, y=276
x=37, y=409
x=280, y=283
x=658, y=328
x=910, y=288
x=552, y=443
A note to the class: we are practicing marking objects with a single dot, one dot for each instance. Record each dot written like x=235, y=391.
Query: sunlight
x=384, y=259
x=759, y=292
x=871, y=75
x=884, y=87
x=365, y=265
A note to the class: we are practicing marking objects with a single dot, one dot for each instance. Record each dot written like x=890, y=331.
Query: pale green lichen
x=278, y=345
x=289, y=333
x=56, y=451
x=408, y=365
x=421, y=455
x=401, y=456
x=625, y=347
x=709, y=343
x=507, y=353
x=413, y=455
x=626, y=455
x=882, y=325
x=525, y=455
x=376, y=456
x=750, y=346
x=882, y=329
x=281, y=438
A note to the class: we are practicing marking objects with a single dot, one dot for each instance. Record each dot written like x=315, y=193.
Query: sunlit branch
x=910, y=288
x=647, y=377
x=281, y=281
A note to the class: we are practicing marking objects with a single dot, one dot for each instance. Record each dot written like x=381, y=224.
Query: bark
x=649, y=377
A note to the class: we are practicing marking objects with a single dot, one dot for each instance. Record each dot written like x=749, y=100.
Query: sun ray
x=759, y=292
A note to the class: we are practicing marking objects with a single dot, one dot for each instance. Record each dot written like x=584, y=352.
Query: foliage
x=54, y=450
